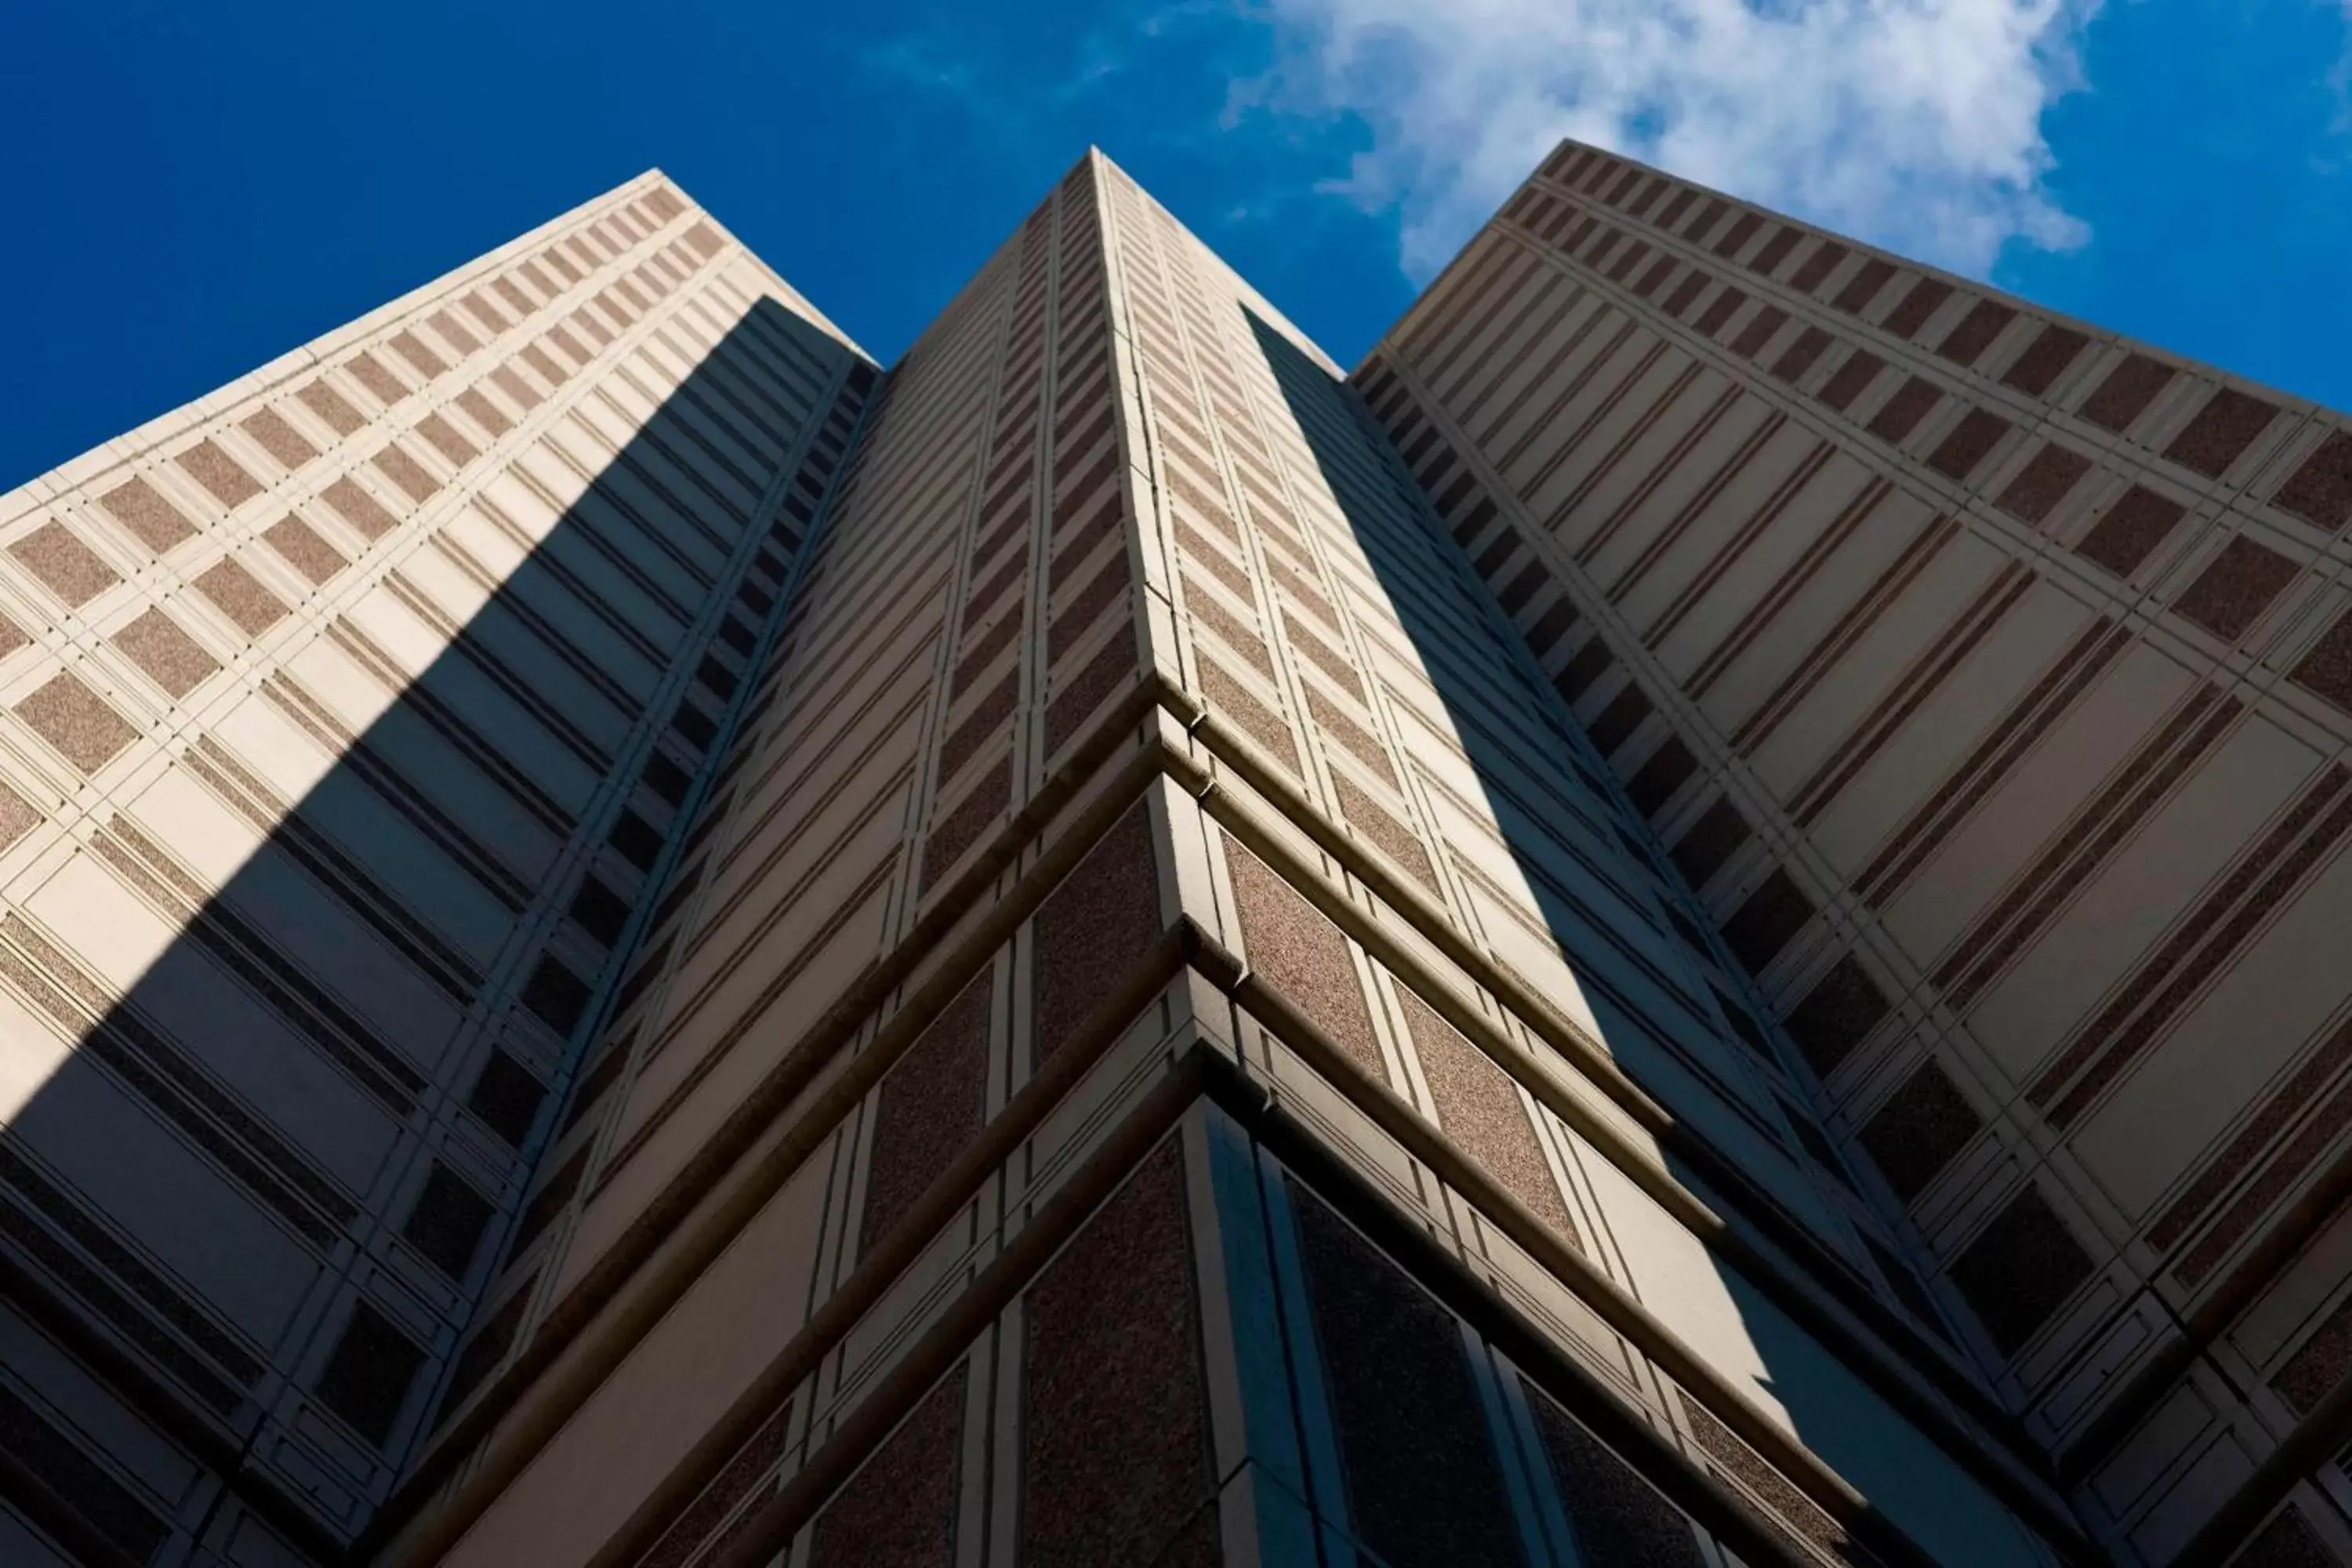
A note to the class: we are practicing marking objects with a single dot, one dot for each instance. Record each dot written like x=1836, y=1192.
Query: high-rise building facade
x=1689, y=921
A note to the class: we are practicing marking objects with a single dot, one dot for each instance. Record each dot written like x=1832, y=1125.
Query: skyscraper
x=1690, y=920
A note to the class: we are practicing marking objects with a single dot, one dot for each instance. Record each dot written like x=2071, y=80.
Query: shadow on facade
x=250, y=1213
x=1674, y=1033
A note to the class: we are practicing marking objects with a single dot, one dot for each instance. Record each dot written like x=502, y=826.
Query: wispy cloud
x=1915, y=122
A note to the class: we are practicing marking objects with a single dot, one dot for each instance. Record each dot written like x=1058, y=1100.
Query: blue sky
x=193, y=190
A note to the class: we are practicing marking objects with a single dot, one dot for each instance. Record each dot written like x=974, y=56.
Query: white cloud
x=1915, y=123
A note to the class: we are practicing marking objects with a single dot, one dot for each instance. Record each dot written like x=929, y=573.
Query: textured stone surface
x=153, y=521
x=1480, y=1108
x=359, y=509
x=274, y=435
x=1424, y=1488
x=1303, y=955
x=308, y=553
x=2319, y=1364
x=164, y=653
x=75, y=719
x=2236, y=587
x=929, y=1107
x=2125, y=391
x=2222, y=431
x=239, y=595
x=1766, y=920
x=64, y=564
x=219, y=473
x=1620, y=1520
x=2043, y=482
x=1919, y=1130
x=2044, y=360
x=1093, y=929
x=2019, y=1270
x=899, y=1509
x=2130, y=530
x=1115, y=1419
x=2320, y=490
x=1835, y=1017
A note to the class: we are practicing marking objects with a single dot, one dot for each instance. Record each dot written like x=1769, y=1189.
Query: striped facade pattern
x=1112, y=946
x=1983, y=673
x=348, y=710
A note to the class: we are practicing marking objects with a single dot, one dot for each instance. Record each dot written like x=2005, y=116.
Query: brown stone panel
x=2045, y=360
x=239, y=595
x=332, y=408
x=1860, y=369
x=1969, y=443
x=1115, y=1445
x=1800, y=356
x=961, y=829
x=1863, y=285
x=1927, y=296
x=18, y=817
x=359, y=509
x=2287, y=1540
x=166, y=655
x=397, y=464
x=445, y=439
x=2044, y=481
x=1921, y=1128
x=268, y=429
x=1615, y=723
x=1423, y=1484
x=371, y=373
x=980, y=726
x=1720, y=833
x=153, y=521
x=1901, y=414
x=1093, y=929
x=1303, y=955
x=929, y=1107
x=408, y=346
x=2223, y=428
x=1768, y=920
x=64, y=564
x=78, y=721
x=1620, y=1520
x=899, y=1509
x=1085, y=693
x=1480, y=1109
x=2130, y=530
x=484, y=413
x=1759, y=332
x=1394, y=838
x=1822, y=260
x=1661, y=776
x=1966, y=343
x=2019, y=1270
x=2126, y=391
x=218, y=472
x=1837, y=1015
x=1258, y=721
x=2320, y=490
x=1358, y=742
x=2235, y=588
x=2326, y=670
x=1203, y=608
x=303, y=550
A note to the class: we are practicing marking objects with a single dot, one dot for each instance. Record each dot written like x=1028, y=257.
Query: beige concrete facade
x=1058, y=974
